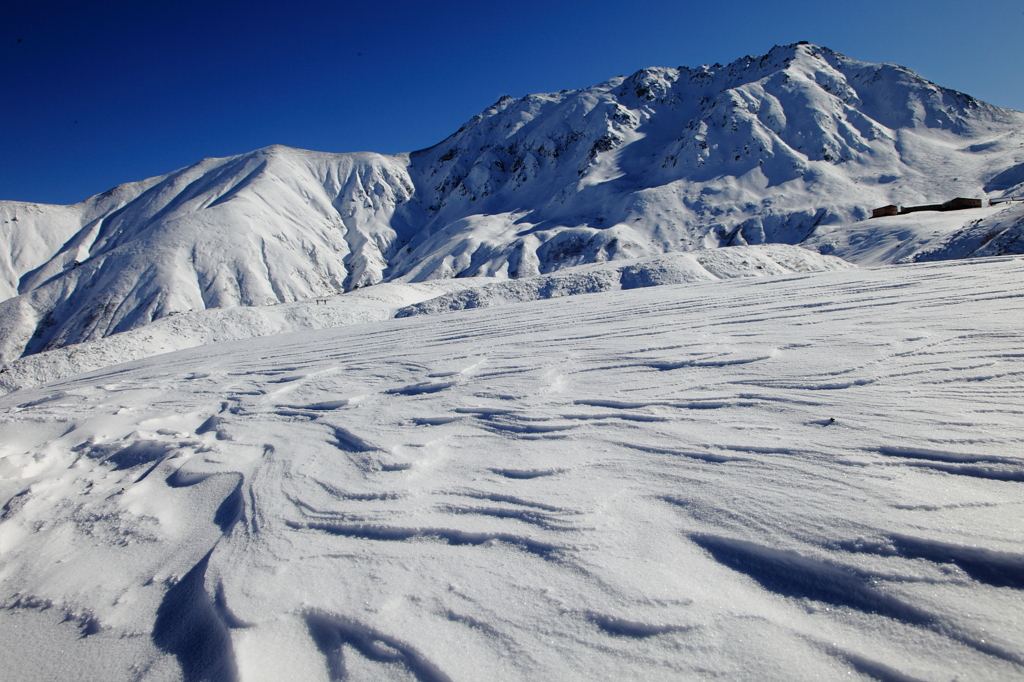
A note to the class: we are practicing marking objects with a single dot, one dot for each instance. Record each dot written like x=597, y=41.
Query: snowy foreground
x=642, y=484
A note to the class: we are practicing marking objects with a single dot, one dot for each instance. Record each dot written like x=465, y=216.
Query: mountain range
x=784, y=148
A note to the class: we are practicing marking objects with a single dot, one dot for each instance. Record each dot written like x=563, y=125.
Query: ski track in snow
x=805, y=476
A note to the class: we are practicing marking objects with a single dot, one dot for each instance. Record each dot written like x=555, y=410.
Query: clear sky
x=100, y=93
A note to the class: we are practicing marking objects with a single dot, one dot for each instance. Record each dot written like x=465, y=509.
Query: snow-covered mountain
x=766, y=149
x=275, y=225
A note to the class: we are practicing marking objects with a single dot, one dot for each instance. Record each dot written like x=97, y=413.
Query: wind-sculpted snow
x=188, y=626
x=808, y=476
x=775, y=149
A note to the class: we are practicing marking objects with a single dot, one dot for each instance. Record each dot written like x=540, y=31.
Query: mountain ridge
x=765, y=149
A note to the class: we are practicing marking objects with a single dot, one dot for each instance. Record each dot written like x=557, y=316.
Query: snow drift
x=707, y=265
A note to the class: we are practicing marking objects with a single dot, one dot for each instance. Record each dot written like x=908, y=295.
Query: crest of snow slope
x=762, y=150
x=197, y=328
x=706, y=265
x=385, y=300
x=641, y=484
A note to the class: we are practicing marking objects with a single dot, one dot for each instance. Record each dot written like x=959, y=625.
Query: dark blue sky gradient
x=101, y=93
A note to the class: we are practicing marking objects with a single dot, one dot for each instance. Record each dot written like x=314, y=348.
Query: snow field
x=385, y=300
x=633, y=484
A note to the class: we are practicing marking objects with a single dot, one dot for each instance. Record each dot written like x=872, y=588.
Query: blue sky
x=101, y=93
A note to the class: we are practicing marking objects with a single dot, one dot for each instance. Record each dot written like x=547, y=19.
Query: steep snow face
x=765, y=149
x=272, y=226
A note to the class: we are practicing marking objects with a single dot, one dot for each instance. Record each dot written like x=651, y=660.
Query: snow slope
x=637, y=484
x=766, y=149
x=386, y=300
x=761, y=150
x=998, y=235
x=926, y=235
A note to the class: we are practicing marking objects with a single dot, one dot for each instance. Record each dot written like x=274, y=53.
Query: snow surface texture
x=798, y=477
x=766, y=149
x=386, y=300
